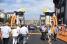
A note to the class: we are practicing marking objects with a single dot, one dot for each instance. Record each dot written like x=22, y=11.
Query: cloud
x=33, y=7
x=23, y=3
x=18, y=1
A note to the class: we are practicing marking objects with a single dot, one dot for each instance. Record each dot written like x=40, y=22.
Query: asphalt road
x=35, y=39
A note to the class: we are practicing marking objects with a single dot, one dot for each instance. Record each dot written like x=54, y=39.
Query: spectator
x=0, y=36
x=15, y=35
x=43, y=31
x=56, y=32
x=6, y=32
x=49, y=35
x=23, y=32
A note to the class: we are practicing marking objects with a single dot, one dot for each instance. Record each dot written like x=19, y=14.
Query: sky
x=32, y=7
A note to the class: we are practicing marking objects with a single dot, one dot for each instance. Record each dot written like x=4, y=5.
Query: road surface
x=35, y=39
